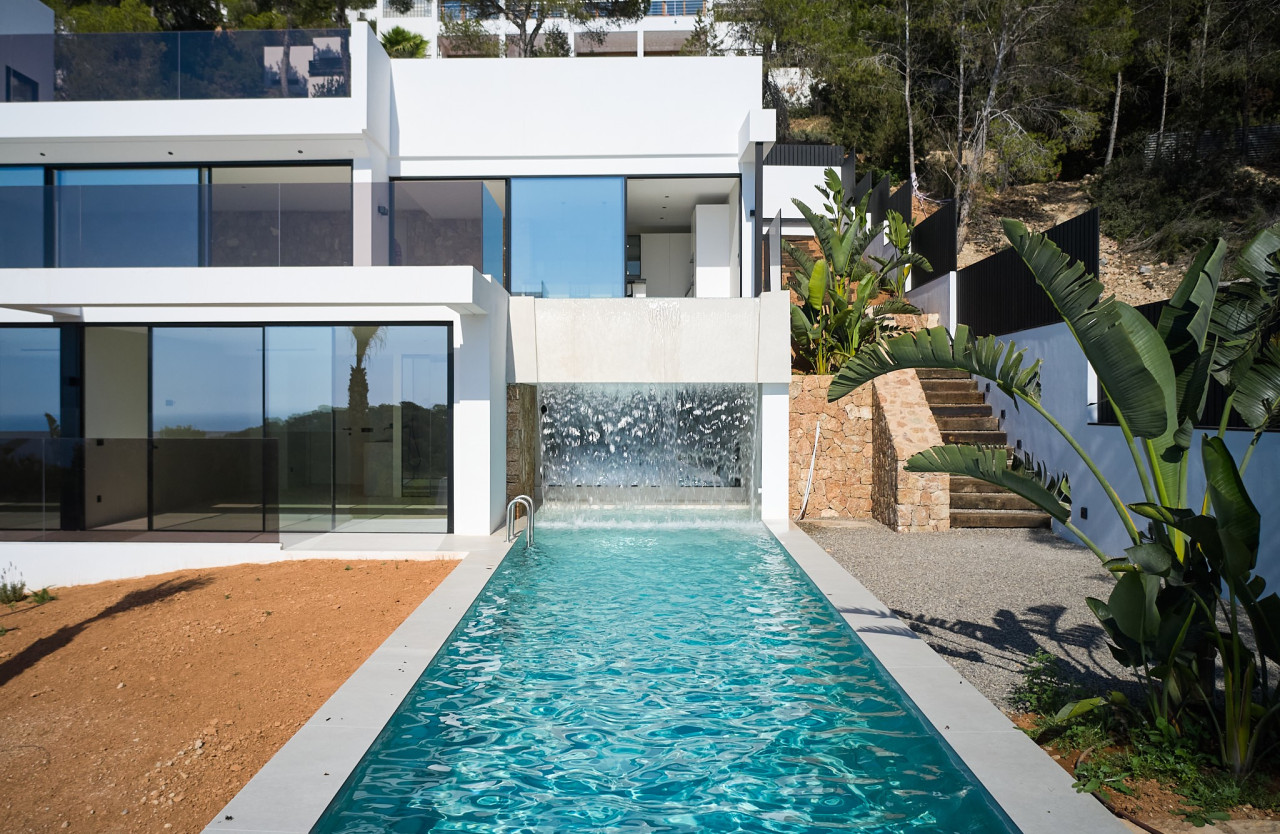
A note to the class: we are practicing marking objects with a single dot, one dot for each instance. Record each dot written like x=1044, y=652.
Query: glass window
x=299, y=367
x=21, y=217
x=30, y=408
x=129, y=217
x=206, y=425
x=392, y=440
x=449, y=223
x=568, y=237
x=280, y=216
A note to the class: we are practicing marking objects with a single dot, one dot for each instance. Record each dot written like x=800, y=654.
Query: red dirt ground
x=144, y=705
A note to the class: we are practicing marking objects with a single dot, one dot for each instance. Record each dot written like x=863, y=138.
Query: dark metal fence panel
x=1215, y=401
x=934, y=238
x=817, y=156
x=860, y=190
x=999, y=295
x=1258, y=144
x=878, y=203
x=901, y=200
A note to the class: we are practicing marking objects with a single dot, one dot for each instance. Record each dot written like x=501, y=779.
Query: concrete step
x=990, y=501
x=940, y=373
x=999, y=518
x=971, y=397
x=956, y=386
x=981, y=438
x=968, y=422
x=972, y=410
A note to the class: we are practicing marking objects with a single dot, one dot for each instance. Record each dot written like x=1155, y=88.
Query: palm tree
x=399, y=42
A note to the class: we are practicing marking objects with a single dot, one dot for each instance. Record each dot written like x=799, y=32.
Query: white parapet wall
x=697, y=340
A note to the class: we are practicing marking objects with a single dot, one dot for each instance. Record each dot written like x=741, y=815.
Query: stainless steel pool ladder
x=527, y=502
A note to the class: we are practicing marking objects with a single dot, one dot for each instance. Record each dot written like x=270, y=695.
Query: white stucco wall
x=559, y=115
x=783, y=182
x=1067, y=392
x=938, y=296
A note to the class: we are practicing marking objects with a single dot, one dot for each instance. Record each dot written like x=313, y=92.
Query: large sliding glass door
x=226, y=429
x=391, y=387
x=207, y=454
x=360, y=414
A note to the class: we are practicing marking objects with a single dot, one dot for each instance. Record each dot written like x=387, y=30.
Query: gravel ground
x=986, y=599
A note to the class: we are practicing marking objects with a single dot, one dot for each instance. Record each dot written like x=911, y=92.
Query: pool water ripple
x=686, y=679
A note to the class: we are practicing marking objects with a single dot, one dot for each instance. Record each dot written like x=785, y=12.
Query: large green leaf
x=818, y=284
x=822, y=228
x=1184, y=327
x=1246, y=312
x=1133, y=605
x=1257, y=388
x=1231, y=503
x=992, y=464
x=1125, y=351
x=934, y=347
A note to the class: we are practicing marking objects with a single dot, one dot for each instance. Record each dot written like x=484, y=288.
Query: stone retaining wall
x=842, y=471
x=522, y=440
x=865, y=441
x=903, y=424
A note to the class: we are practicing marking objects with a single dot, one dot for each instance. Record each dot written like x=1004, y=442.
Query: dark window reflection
x=129, y=217
x=30, y=430
x=240, y=428
x=287, y=216
x=450, y=223
x=206, y=418
x=21, y=217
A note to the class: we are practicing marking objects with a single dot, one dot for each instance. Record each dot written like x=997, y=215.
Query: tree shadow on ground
x=1009, y=639
x=46, y=646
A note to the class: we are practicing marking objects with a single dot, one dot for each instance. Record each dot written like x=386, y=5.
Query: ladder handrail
x=527, y=503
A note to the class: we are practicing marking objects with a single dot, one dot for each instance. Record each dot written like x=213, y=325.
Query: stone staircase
x=963, y=416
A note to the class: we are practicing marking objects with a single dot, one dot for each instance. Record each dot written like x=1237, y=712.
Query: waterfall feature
x=641, y=444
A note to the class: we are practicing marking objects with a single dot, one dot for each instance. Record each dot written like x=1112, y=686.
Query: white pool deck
x=293, y=789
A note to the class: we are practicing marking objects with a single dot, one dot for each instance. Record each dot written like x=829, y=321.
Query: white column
x=480, y=417
x=775, y=415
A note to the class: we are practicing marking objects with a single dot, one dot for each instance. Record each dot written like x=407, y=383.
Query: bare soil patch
x=144, y=705
x=1129, y=273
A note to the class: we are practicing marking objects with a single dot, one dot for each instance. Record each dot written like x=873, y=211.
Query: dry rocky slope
x=1132, y=276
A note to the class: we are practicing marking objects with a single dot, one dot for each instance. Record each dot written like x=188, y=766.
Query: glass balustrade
x=135, y=66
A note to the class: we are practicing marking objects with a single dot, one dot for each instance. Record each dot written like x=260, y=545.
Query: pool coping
x=314, y=764
x=1033, y=790
x=297, y=784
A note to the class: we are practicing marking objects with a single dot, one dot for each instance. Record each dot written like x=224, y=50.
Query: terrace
x=171, y=66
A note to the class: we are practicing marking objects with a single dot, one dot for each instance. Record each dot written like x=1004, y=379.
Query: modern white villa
x=244, y=306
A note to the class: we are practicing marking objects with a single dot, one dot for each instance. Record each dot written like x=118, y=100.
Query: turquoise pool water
x=677, y=678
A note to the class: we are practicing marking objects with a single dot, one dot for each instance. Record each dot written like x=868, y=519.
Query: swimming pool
x=671, y=677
